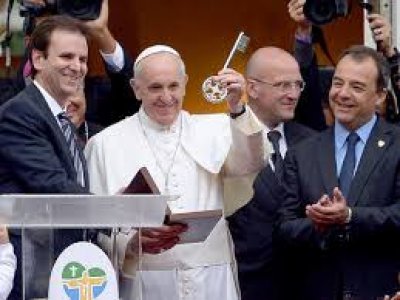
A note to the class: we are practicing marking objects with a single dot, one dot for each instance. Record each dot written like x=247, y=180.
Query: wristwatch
x=238, y=114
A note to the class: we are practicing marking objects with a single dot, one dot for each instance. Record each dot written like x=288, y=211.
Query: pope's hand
x=157, y=240
x=235, y=84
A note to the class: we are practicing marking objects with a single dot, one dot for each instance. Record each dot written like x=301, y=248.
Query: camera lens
x=320, y=12
x=80, y=9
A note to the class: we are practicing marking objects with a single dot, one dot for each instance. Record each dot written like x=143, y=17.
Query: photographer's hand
x=99, y=31
x=295, y=8
x=381, y=32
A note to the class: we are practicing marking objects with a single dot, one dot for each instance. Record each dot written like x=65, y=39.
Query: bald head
x=274, y=85
x=269, y=59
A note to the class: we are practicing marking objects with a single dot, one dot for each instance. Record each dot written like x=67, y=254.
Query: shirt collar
x=55, y=108
x=363, y=132
x=278, y=128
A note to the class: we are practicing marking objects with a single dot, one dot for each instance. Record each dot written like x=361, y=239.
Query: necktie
x=349, y=163
x=276, y=157
x=68, y=130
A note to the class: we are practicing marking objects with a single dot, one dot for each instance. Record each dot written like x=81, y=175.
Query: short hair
x=360, y=53
x=41, y=36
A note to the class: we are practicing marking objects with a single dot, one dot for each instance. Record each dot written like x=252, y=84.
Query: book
x=200, y=223
x=142, y=183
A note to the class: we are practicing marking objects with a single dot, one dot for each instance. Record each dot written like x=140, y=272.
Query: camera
x=320, y=12
x=79, y=9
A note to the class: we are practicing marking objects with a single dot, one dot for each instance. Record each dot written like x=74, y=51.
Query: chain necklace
x=166, y=172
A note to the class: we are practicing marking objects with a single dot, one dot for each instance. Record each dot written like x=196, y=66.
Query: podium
x=46, y=224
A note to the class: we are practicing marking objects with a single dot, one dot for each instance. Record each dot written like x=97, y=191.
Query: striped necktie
x=69, y=132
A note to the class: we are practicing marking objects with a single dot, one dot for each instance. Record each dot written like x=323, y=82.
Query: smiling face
x=267, y=70
x=62, y=68
x=354, y=94
x=160, y=85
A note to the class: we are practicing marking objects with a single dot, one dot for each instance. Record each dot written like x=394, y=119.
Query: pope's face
x=160, y=85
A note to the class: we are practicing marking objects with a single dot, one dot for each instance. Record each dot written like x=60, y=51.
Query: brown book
x=200, y=224
x=142, y=183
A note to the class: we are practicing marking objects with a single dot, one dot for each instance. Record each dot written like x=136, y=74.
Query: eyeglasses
x=284, y=86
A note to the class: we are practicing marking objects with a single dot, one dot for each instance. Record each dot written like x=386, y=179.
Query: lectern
x=45, y=224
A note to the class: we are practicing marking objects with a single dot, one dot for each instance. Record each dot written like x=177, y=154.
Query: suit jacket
x=34, y=158
x=252, y=225
x=361, y=259
x=309, y=110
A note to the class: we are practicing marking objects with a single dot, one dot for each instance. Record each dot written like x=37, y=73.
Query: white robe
x=189, y=271
x=8, y=264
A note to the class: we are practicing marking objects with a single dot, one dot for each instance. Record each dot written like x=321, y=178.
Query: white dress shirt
x=115, y=61
x=282, y=142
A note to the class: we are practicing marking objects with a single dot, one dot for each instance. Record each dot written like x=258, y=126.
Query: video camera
x=79, y=9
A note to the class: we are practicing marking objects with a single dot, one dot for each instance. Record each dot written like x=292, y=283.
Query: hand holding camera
x=296, y=12
x=382, y=34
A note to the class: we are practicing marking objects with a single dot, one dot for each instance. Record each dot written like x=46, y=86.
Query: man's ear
x=38, y=58
x=251, y=89
x=135, y=88
x=381, y=97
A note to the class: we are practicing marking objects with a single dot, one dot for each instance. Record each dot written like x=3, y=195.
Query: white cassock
x=189, y=159
x=8, y=264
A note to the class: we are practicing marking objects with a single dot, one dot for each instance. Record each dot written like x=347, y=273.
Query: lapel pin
x=381, y=143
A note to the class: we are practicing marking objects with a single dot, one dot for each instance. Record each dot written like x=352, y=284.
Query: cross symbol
x=73, y=270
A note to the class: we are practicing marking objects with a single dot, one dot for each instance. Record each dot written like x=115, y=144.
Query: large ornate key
x=213, y=91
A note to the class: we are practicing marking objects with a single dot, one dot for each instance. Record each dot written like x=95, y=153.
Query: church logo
x=80, y=283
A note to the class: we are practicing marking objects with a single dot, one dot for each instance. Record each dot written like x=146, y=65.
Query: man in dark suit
x=274, y=87
x=340, y=216
x=39, y=151
x=34, y=156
